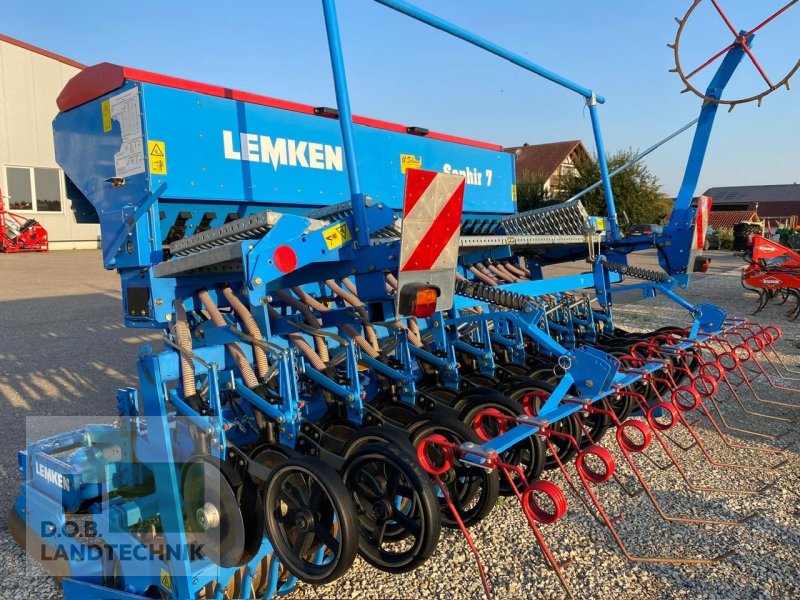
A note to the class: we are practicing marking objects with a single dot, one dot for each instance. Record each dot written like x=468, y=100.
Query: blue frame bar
x=346, y=122
x=469, y=37
x=604, y=176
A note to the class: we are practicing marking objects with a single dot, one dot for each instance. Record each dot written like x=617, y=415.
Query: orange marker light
x=425, y=302
x=418, y=300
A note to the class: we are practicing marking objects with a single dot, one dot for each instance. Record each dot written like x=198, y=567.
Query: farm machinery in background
x=360, y=347
x=20, y=234
x=774, y=271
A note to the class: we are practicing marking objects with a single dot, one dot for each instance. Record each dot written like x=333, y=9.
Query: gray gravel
x=767, y=560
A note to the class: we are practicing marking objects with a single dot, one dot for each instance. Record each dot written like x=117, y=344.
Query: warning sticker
x=126, y=109
x=409, y=161
x=165, y=580
x=157, y=155
x=105, y=108
x=337, y=235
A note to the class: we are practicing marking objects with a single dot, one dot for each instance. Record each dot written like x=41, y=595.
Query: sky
x=401, y=70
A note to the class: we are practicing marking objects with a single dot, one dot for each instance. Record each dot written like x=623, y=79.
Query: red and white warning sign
x=431, y=232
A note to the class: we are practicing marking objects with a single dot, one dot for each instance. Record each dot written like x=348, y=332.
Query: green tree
x=531, y=191
x=637, y=191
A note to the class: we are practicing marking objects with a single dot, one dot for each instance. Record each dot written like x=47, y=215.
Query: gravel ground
x=767, y=559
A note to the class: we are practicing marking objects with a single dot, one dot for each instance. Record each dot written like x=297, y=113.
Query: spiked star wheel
x=742, y=39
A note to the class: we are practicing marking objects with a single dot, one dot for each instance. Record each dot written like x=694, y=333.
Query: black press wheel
x=473, y=490
x=397, y=508
x=377, y=434
x=528, y=454
x=398, y=411
x=310, y=520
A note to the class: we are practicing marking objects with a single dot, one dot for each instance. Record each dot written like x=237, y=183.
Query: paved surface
x=63, y=348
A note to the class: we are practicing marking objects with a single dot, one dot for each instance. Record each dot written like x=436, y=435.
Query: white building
x=31, y=182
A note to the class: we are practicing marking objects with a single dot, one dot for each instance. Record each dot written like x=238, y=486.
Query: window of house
x=34, y=189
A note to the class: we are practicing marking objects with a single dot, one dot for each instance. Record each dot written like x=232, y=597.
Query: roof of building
x=745, y=194
x=544, y=159
x=725, y=219
x=42, y=51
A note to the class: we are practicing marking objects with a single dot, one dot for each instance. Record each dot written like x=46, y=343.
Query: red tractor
x=20, y=234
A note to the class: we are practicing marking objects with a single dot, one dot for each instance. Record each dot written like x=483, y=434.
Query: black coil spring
x=491, y=294
x=637, y=272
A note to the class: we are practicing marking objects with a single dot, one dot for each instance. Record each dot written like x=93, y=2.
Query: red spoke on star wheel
x=745, y=47
x=772, y=18
x=756, y=63
x=725, y=18
x=761, y=25
x=711, y=60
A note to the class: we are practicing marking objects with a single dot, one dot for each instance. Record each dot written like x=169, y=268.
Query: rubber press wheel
x=377, y=434
x=310, y=520
x=473, y=490
x=527, y=454
x=397, y=508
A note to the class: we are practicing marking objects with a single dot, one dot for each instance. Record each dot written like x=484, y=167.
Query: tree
x=637, y=191
x=531, y=191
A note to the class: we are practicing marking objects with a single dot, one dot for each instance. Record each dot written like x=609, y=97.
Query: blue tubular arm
x=603, y=164
x=679, y=227
x=346, y=122
x=461, y=33
x=592, y=99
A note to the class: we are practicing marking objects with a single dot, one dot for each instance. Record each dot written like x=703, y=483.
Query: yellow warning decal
x=157, y=154
x=105, y=108
x=514, y=192
x=165, y=580
x=409, y=161
x=600, y=224
x=337, y=235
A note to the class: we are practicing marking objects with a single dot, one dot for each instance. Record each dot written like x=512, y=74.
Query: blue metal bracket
x=115, y=247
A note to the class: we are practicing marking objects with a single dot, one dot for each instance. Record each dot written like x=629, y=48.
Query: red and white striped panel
x=431, y=231
x=431, y=220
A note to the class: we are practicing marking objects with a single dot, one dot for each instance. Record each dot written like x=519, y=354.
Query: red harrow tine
x=705, y=386
x=686, y=399
x=729, y=363
x=589, y=475
x=695, y=396
x=775, y=334
x=660, y=429
x=629, y=446
x=744, y=354
x=447, y=461
x=677, y=416
x=748, y=350
x=588, y=434
x=718, y=369
x=534, y=512
x=766, y=339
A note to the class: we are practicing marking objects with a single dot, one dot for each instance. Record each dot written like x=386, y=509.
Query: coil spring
x=492, y=295
x=637, y=272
